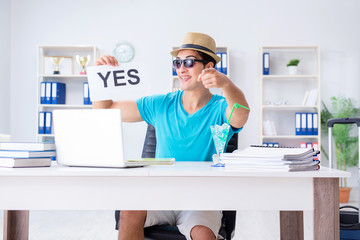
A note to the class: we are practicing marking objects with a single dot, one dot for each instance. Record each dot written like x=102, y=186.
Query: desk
x=182, y=186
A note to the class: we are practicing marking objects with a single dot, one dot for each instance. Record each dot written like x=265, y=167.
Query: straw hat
x=199, y=42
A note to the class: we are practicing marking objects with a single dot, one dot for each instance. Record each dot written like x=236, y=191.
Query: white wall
x=5, y=66
x=153, y=27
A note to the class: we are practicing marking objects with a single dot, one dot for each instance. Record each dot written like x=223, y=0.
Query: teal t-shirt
x=183, y=136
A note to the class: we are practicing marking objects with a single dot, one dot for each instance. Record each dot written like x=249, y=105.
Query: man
x=182, y=120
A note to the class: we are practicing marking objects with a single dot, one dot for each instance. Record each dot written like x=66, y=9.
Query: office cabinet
x=283, y=96
x=59, y=65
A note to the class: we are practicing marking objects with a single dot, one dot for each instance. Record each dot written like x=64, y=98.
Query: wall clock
x=124, y=52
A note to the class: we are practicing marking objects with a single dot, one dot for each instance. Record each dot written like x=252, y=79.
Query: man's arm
x=212, y=78
x=129, y=109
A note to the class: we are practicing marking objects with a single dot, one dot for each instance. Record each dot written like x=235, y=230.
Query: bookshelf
x=69, y=74
x=223, y=66
x=282, y=95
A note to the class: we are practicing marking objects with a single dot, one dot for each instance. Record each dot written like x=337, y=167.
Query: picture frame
x=65, y=65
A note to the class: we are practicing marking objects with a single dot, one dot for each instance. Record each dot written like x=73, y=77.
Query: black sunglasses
x=188, y=63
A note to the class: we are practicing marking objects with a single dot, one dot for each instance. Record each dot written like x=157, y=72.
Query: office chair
x=168, y=232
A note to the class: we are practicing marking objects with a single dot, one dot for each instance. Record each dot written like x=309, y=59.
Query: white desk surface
x=182, y=186
x=185, y=169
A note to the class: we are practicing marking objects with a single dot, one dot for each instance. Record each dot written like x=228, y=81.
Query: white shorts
x=186, y=220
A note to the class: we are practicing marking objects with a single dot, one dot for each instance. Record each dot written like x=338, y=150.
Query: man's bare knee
x=200, y=232
x=133, y=217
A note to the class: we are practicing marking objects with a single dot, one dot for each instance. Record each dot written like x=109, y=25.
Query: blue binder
x=174, y=70
x=41, y=123
x=218, y=66
x=58, y=94
x=48, y=86
x=266, y=63
x=86, y=94
x=303, y=124
x=298, y=124
x=224, y=63
x=309, y=128
x=48, y=122
x=42, y=92
x=315, y=124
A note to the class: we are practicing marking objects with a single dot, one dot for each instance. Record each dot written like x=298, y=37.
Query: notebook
x=93, y=138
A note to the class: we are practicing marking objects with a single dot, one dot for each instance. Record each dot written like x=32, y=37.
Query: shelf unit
x=282, y=95
x=69, y=74
x=219, y=50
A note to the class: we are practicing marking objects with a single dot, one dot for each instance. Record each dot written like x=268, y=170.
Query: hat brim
x=217, y=59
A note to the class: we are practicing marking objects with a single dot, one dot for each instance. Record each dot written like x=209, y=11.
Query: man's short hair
x=207, y=58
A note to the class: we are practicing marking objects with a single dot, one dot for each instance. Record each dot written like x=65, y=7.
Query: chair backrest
x=150, y=143
x=149, y=147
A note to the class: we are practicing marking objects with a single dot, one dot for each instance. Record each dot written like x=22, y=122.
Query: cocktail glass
x=220, y=134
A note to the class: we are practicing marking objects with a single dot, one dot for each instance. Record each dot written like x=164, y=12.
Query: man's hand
x=107, y=60
x=210, y=77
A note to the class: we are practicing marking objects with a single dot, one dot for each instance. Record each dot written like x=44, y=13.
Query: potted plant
x=292, y=66
x=346, y=145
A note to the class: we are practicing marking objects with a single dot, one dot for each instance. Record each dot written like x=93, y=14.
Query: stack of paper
x=272, y=158
x=29, y=154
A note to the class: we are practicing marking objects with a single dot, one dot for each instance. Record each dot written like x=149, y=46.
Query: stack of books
x=272, y=158
x=26, y=154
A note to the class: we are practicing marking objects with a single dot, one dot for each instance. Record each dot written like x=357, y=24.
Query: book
x=312, y=97
x=153, y=161
x=269, y=128
x=25, y=162
x=26, y=154
x=27, y=146
x=305, y=98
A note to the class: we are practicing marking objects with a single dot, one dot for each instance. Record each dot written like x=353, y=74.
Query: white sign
x=125, y=82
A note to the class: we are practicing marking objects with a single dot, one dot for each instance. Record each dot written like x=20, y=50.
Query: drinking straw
x=236, y=105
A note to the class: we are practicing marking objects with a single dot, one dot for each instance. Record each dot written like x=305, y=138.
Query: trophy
x=83, y=61
x=56, y=60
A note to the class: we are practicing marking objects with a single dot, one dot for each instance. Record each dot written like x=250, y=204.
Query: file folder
x=309, y=124
x=315, y=124
x=174, y=70
x=48, y=122
x=224, y=63
x=48, y=92
x=266, y=63
x=315, y=145
x=218, y=65
x=42, y=92
x=58, y=94
x=41, y=123
x=297, y=123
x=86, y=93
x=303, y=124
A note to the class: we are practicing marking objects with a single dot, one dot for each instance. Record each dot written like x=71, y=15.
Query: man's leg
x=200, y=232
x=132, y=225
x=199, y=225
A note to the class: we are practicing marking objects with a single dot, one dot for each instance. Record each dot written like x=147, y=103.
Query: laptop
x=93, y=138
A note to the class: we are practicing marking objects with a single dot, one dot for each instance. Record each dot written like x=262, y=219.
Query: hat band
x=196, y=47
